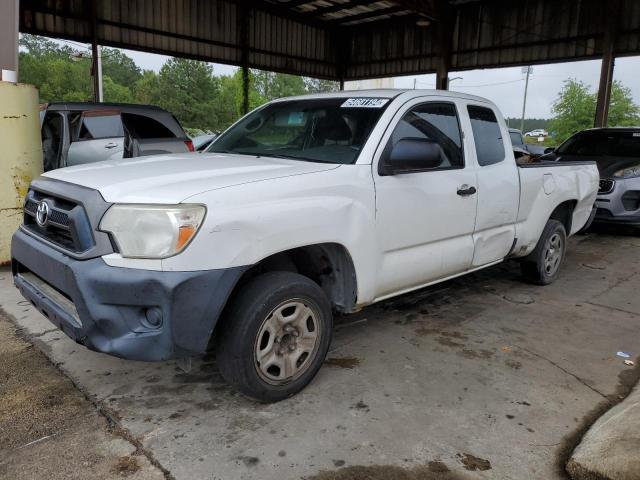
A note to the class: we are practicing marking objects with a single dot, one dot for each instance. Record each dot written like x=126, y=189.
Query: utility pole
x=528, y=71
x=97, y=72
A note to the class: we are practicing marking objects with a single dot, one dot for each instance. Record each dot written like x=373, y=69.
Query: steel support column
x=9, y=41
x=444, y=38
x=244, y=17
x=608, y=63
x=96, y=61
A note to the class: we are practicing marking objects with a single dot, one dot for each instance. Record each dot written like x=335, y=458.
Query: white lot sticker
x=364, y=102
x=635, y=134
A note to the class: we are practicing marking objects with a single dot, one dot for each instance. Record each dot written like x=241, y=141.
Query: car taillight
x=189, y=145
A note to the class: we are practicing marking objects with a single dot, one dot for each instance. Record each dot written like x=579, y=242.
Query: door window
x=97, y=125
x=486, y=135
x=142, y=127
x=436, y=122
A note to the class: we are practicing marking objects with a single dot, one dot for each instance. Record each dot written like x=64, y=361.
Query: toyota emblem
x=42, y=214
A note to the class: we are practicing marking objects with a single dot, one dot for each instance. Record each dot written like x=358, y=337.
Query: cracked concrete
x=454, y=372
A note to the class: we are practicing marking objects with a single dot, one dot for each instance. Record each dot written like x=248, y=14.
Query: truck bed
x=544, y=186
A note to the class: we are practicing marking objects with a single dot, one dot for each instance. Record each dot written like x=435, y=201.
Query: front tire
x=542, y=266
x=274, y=336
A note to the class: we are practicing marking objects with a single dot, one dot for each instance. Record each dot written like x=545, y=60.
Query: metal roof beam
x=428, y=8
x=337, y=7
x=366, y=15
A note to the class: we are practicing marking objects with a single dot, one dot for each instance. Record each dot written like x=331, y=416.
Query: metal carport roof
x=346, y=39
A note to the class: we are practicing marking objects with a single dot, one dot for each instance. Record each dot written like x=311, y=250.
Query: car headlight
x=152, y=231
x=628, y=172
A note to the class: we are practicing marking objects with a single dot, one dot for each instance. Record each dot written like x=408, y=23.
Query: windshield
x=602, y=143
x=330, y=130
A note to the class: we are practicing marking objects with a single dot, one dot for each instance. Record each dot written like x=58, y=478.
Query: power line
x=489, y=84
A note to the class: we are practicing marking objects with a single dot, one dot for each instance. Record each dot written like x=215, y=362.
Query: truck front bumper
x=130, y=313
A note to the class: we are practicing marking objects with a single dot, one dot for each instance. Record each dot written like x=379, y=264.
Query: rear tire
x=274, y=336
x=542, y=266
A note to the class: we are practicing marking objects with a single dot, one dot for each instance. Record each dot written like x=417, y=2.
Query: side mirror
x=411, y=155
x=549, y=150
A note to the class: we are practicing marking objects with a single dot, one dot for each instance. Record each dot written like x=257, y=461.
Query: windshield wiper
x=276, y=155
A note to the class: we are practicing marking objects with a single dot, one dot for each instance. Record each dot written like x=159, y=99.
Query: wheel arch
x=564, y=214
x=327, y=264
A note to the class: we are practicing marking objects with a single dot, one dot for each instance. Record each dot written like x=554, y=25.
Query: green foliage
x=50, y=67
x=119, y=67
x=317, y=85
x=114, y=92
x=188, y=89
x=270, y=85
x=622, y=111
x=575, y=109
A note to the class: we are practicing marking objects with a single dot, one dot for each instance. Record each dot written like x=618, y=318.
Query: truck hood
x=173, y=178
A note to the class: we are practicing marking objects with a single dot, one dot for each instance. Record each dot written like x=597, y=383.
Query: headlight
x=152, y=231
x=628, y=172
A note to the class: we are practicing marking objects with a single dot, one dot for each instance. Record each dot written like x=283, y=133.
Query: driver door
x=425, y=219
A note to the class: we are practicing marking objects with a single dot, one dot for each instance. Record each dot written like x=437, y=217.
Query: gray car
x=617, y=153
x=81, y=132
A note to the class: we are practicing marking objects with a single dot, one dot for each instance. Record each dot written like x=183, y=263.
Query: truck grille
x=66, y=224
x=606, y=185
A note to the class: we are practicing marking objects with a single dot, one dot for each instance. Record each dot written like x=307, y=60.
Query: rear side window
x=437, y=122
x=516, y=138
x=97, y=125
x=142, y=127
x=486, y=135
x=596, y=143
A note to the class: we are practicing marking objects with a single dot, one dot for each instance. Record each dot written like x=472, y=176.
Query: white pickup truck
x=306, y=206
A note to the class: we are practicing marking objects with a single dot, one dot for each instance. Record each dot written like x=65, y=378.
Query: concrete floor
x=485, y=367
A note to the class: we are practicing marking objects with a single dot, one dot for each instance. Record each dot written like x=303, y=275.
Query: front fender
x=250, y=222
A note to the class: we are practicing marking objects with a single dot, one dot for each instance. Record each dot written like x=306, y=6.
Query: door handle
x=111, y=145
x=466, y=190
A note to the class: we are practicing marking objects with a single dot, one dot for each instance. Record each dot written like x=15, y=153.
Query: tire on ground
x=536, y=267
x=237, y=343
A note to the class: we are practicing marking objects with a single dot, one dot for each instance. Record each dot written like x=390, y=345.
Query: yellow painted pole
x=20, y=156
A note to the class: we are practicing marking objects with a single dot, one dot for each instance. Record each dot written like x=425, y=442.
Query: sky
x=504, y=86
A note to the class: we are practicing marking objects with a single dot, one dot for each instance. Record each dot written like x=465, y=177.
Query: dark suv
x=617, y=153
x=81, y=132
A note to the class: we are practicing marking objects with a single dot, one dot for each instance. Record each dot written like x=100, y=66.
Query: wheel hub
x=286, y=342
x=553, y=254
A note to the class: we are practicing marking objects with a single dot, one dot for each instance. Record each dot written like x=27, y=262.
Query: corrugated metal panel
x=201, y=29
x=496, y=33
x=315, y=38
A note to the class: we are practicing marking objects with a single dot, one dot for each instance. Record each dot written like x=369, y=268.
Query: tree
x=114, y=92
x=188, y=89
x=63, y=74
x=271, y=85
x=146, y=90
x=622, y=111
x=120, y=67
x=317, y=85
x=575, y=109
